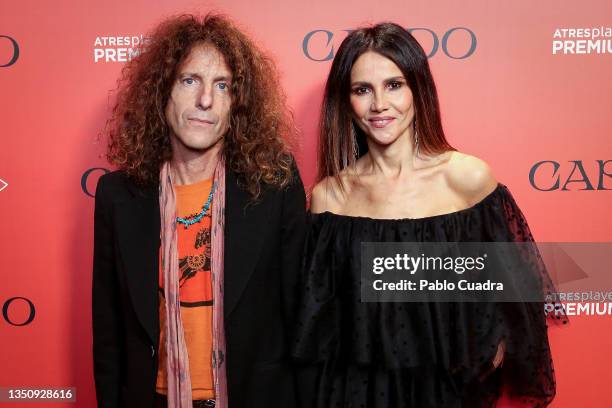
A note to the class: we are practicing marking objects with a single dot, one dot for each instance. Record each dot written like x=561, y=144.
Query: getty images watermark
x=484, y=271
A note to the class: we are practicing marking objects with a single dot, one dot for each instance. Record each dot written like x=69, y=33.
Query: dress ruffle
x=396, y=355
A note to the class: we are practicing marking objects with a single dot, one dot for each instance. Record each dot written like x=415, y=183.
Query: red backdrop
x=520, y=82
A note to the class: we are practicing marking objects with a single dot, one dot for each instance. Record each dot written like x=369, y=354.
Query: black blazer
x=263, y=252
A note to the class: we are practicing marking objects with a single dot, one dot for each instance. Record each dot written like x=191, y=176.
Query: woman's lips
x=380, y=123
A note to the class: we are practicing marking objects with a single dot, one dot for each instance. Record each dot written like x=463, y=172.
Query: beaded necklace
x=195, y=218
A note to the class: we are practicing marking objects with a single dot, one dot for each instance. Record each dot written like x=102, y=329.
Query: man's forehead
x=205, y=58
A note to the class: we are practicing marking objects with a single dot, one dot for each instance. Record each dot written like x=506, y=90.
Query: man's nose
x=205, y=98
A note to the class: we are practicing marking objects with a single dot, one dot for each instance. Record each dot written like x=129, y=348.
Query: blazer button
x=152, y=352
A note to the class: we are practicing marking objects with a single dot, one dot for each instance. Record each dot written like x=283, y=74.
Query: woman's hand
x=499, y=357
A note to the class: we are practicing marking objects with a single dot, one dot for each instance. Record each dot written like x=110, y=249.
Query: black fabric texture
x=403, y=354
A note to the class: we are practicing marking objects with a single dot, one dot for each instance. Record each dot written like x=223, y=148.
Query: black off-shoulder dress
x=417, y=355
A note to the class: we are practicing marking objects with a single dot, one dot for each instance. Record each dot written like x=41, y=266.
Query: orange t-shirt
x=195, y=291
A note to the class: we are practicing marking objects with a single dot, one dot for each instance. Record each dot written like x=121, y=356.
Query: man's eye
x=222, y=85
x=188, y=81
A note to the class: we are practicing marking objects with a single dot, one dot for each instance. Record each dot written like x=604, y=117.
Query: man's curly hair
x=255, y=145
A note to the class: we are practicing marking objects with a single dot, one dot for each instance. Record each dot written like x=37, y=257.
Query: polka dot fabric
x=419, y=355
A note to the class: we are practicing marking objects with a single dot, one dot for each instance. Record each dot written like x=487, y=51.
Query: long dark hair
x=256, y=145
x=336, y=142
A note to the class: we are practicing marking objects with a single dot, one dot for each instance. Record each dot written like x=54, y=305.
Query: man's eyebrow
x=184, y=74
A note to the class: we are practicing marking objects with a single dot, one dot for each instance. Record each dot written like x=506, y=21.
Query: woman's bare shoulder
x=470, y=177
x=327, y=195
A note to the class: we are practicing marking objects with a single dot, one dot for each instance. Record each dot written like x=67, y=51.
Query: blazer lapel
x=244, y=226
x=138, y=229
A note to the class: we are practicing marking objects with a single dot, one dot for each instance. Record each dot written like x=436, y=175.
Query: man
x=198, y=236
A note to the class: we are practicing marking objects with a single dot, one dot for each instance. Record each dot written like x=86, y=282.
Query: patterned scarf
x=179, y=380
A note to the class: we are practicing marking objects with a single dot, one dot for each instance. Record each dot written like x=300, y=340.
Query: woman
x=387, y=173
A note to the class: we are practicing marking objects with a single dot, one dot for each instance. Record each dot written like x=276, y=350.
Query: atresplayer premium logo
x=87, y=181
x=549, y=175
x=318, y=45
x=14, y=302
x=581, y=41
x=14, y=53
x=118, y=48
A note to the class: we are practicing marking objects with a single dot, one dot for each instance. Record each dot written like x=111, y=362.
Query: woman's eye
x=360, y=90
x=395, y=85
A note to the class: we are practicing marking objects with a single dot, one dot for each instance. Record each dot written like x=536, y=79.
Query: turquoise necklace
x=195, y=218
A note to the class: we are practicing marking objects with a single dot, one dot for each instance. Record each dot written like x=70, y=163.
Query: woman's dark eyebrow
x=365, y=83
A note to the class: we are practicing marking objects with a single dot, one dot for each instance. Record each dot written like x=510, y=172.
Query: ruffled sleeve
x=528, y=366
x=319, y=321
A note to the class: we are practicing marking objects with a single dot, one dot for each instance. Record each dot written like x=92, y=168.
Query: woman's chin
x=383, y=139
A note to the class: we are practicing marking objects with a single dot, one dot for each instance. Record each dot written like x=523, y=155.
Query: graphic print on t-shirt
x=193, y=244
x=196, y=266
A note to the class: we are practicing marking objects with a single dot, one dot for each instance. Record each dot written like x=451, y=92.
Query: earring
x=416, y=140
x=354, y=141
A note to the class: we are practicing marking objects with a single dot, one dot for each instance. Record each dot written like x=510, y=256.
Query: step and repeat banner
x=526, y=86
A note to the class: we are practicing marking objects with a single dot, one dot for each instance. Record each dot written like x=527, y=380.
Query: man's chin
x=202, y=146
